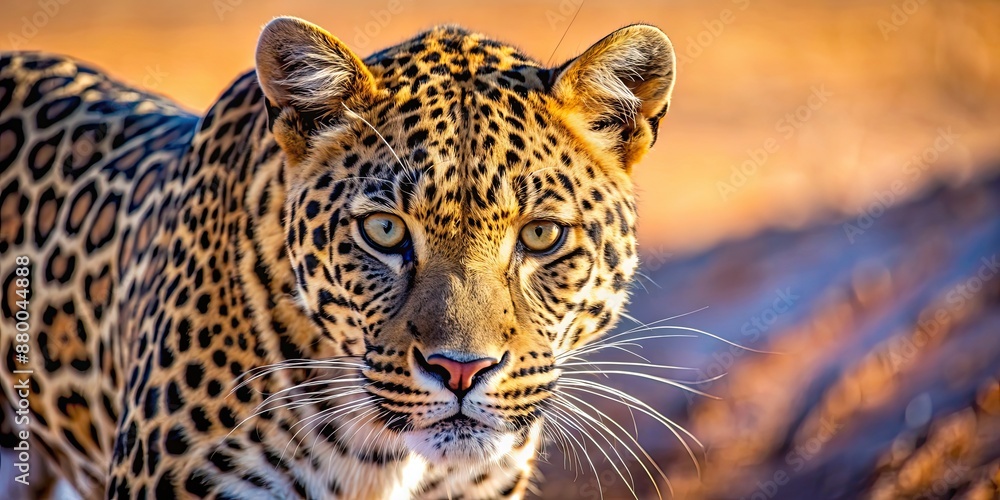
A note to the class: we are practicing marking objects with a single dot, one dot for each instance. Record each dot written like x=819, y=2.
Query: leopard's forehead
x=464, y=142
x=449, y=54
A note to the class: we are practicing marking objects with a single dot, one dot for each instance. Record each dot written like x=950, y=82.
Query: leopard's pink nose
x=459, y=376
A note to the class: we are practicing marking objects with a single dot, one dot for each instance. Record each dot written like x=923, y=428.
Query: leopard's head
x=461, y=217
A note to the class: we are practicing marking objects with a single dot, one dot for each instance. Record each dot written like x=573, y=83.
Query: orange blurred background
x=785, y=111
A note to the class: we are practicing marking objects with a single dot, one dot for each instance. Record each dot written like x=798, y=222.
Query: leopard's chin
x=460, y=440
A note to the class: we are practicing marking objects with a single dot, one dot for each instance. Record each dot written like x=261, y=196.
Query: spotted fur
x=209, y=319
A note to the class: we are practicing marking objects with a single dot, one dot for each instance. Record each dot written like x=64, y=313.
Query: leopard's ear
x=309, y=78
x=615, y=93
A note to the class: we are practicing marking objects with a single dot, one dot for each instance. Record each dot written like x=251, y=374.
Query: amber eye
x=384, y=231
x=541, y=235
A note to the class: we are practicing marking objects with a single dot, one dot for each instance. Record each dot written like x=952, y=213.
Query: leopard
x=349, y=278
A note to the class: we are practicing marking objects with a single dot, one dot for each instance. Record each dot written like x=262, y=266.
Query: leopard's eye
x=541, y=235
x=385, y=232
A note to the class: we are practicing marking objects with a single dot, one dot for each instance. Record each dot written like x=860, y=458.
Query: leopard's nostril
x=459, y=376
x=440, y=371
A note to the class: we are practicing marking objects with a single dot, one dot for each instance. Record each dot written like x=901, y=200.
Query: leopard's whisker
x=579, y=384
x=252, y=416
x=358, y=421
x=369, y=414
x=300, y=390
x=626, y=363
x=319, y=416
x=311, y=398
x=302, y=403
x=407, y=169
x=632, y=402
x=598, y=370
x=319, y=363
x=634, y=440
x=597, y=364
x=573, y=414
x=640, y=283
x=370, y=442
x=648, y=278
x=624, y=347
x=631, y=318
x=261, y=371
x=598, y=346
x=600, y=429
x=379, y=413
x=257, y=376
x=336, y=409
x=654, y=378
x=701, y=332
x=301, y=400
x=312, y=383
x=553, y=431
x=359, y=427
x=568, y=446
x=559, y=414
x=659, y=321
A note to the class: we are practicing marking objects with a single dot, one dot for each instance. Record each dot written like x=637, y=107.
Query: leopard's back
x=84, y=172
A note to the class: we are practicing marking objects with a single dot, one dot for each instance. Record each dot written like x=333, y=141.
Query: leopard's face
x=460, y=218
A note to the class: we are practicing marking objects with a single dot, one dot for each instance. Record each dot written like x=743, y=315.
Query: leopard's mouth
x=458, y=418
x=460, y=438
x=470, y=425
x=459, y=423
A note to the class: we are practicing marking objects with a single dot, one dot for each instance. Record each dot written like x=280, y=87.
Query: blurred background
x=823, y=185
